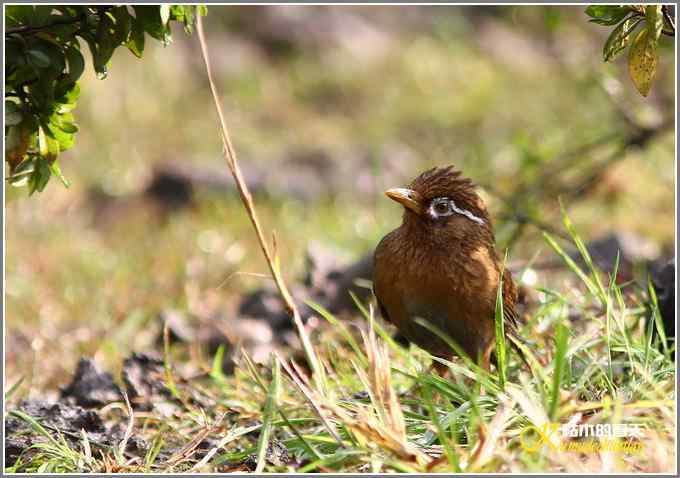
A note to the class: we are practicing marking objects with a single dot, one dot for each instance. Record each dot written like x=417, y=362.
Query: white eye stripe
x=466, y=213
x=451, y=209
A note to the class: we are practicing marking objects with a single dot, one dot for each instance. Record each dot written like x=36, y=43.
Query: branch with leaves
x=44, y=62
x=643, y=55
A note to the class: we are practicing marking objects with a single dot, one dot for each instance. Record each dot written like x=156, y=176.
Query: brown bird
x=441, y=265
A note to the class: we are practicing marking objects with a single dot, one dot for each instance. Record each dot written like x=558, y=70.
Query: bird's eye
x=441, y=207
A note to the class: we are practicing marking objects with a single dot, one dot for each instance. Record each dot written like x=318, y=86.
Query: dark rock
x=15, y=445
x=57, y=415
x=328, y=282
x=143, y=375
x=68, y=420
x=631, y=249
x=207, y=331
x=349, y=279
x=331, y=277
x=663, y=281
x=90, y=387
x=171, y=188
x=265, y=303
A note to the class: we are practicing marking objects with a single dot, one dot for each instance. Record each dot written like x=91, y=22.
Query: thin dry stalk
x=489, y=436
x=130, y=425
x=188, y=450
x=231, y=436
x=300, y=380
x=247, y=200
x=371, y=433
x=379, y=384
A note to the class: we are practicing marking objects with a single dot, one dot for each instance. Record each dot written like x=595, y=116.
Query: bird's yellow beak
x=407, y=198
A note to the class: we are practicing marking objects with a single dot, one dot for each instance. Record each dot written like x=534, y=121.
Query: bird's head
x=440, y=198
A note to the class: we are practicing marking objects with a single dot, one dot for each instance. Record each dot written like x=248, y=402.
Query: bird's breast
x=454, y=293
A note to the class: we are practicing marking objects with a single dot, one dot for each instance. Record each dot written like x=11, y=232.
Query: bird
x=441, y=265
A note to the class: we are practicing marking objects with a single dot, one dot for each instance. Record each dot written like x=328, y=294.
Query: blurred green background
x=327, y=106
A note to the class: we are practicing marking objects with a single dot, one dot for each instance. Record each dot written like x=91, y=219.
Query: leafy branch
x=43, y=65
x=643, y=55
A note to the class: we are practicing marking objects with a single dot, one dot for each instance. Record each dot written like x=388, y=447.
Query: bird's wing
x=383, y=310
x=380, y=268
x=509, y=300
x=512, y=318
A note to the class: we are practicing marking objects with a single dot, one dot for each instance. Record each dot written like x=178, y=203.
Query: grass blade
x=268, y=415
x=341, y=327
x=444, y=440
x=657, y=319
x=561, y=344
x=570, y=262
x=499, y=321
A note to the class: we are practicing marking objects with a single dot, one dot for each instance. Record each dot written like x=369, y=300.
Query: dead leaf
x=642, y=62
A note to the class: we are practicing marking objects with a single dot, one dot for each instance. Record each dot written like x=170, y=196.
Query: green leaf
x=135, y=42
x=178, y=12
x=69, y=95
x=150, y=18
x=41, y=13
x=654, y=19
x=54, y=54
x=68, y=127
x=183, y=14
x=38, y=58
x=28, y=15
x=642, y=60
x=16, y=15
x=123, y=23
x=63, y=33
x=92, y=44
x=48, y=143
x=56, y=170
x=105, y=44
x=23, y=75
x=76, y=63
x=619, y=38
x=61, y=139
x=596, y=11
x=606, y=14
x=40, y=176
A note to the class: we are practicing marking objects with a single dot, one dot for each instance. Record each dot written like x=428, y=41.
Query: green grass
x=411, y=420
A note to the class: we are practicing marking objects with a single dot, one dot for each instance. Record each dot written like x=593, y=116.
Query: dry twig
x=247, y=200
